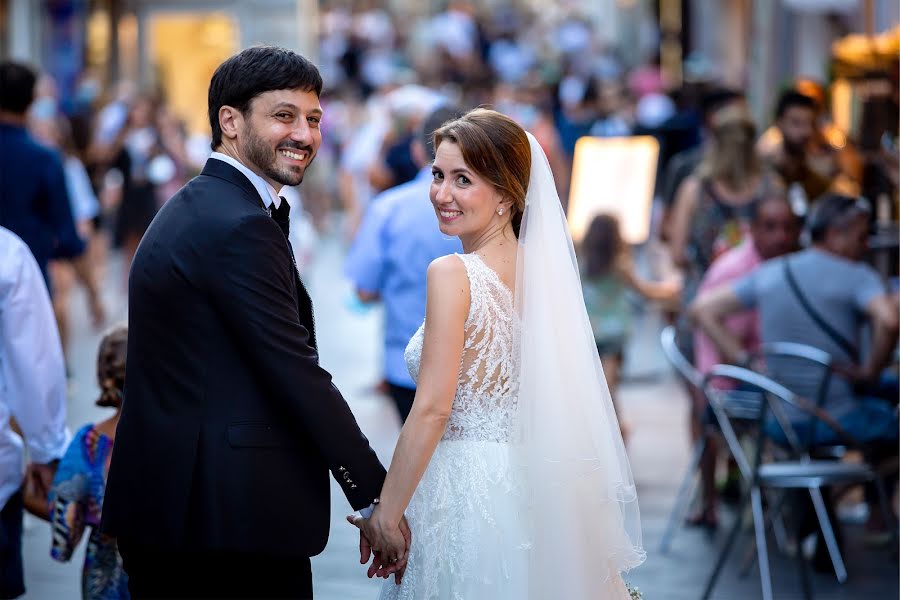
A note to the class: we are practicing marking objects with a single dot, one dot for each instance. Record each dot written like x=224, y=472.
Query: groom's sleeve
x=251, y=284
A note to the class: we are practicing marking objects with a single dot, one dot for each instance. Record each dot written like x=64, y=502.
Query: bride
x=510, y=470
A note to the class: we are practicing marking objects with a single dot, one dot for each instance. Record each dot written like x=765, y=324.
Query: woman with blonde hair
x=713, y=206
x=510, y=469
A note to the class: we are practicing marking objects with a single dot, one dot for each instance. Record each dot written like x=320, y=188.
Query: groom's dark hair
x=252, y=72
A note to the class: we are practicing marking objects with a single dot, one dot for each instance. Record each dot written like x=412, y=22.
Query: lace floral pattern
x=485, y=404
x=467, y=533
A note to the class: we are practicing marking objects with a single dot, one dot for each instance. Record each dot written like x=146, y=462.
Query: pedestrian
x=713, y=206
x=76, y=498
x=33, y=392
x=398, y=239
x=55, y=131
x=683, y=164
x=222, y=360
x=35, y=202
x=795, y=119
x=135, y=147
x=607, y=274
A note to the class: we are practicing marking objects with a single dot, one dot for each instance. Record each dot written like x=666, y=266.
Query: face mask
x=87, y=92
x=44, y=108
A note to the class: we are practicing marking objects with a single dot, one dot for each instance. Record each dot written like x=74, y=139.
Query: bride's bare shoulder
x=448, y=284
x=448, y=268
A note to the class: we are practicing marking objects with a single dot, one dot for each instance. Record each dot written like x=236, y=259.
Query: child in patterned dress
x=76, y=498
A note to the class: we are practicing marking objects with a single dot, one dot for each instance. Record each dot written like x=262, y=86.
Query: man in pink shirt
x=774, y=231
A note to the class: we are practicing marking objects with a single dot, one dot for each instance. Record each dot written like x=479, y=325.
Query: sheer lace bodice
x=484, y=407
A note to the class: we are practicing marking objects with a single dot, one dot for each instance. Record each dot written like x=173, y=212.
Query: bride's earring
x=500, y=211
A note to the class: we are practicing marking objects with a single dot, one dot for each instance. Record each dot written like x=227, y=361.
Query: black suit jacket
x=229, y=425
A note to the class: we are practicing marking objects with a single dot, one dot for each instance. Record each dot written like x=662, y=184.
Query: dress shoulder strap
x=473, y=267
x=485, y=286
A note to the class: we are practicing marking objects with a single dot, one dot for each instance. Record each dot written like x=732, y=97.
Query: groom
x=218, y=485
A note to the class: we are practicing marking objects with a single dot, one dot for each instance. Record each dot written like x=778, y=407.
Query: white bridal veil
x=582, y=503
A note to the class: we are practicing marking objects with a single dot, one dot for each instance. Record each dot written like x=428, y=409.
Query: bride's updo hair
x=496, y=148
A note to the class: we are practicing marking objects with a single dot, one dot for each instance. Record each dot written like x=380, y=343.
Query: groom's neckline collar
x=266, y=192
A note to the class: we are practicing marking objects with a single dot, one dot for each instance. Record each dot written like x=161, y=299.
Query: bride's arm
x=446, y=310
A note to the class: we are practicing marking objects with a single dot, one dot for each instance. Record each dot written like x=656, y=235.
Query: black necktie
x=282, y=215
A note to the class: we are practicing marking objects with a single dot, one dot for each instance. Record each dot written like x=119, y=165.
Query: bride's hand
x=407, y=535
x=389, y=545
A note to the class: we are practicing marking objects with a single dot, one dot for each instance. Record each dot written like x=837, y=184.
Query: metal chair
x=695, y=381
x=814, y=358
x=738, y=408
x=799, y=474
x=825, y=363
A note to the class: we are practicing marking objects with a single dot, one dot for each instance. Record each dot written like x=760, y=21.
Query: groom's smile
x=282, y=134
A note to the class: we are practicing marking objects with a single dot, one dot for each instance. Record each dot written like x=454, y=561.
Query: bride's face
x=465, y=203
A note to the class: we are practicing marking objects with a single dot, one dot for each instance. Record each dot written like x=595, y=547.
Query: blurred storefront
x=762, y=45
x=169, y=46
x=175, y=45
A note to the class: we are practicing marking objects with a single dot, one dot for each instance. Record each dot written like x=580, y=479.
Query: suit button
x=341, y=469
x=353, y=486
x=346, y=476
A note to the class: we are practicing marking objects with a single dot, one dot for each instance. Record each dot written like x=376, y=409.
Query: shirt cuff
x=367, y=511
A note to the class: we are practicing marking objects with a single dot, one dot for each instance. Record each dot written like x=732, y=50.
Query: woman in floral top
x=76, y=498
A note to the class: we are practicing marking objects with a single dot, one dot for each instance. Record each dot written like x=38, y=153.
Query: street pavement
x=653, y=404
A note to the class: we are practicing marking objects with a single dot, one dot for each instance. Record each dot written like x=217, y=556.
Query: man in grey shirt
x=846, y=294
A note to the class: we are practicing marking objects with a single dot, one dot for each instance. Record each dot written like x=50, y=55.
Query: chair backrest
x=804, y=351
x=808, y=354
x=678, y=360
x=754, y=406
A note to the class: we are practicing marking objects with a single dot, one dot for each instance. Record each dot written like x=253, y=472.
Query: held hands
x=389, y=545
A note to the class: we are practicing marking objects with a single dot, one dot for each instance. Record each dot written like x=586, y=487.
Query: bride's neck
x=487, y=238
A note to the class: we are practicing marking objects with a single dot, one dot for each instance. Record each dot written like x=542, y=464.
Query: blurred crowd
x=730, y=194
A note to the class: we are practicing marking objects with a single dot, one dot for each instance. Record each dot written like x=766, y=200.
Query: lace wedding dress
x=470, y=539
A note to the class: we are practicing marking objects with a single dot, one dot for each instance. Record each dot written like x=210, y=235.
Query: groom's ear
x=231, y=121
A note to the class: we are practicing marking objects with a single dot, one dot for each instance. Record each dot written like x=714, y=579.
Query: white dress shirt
x=32, y=370
x=266, y=192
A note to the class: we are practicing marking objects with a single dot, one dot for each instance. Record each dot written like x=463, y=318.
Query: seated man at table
x=822, y=297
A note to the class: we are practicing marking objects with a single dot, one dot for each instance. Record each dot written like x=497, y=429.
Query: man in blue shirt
x=398, y=239
x=34, y=203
